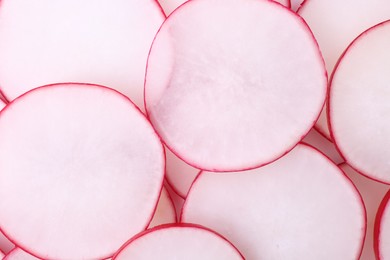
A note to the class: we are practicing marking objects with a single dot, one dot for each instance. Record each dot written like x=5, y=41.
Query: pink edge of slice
x=91, y=123
x=180, y=241
x=284, y=210
x=382, y=230
x=358, y=102
x=372, y=193
x=19, y=254
x=92, y=41
x=178, y=201
x=335, y=24
x=192, y=96
x=165, y=212
x=5, y=245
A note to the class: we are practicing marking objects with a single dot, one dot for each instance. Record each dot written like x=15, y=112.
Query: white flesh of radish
x=300, y=207
x=165, y=211
x=93, y=41
x=19, y=254
x=335, y=24
x=220, y=97
x=372, y=193
x=360, y=103
x=78, y=164
x=178, y=242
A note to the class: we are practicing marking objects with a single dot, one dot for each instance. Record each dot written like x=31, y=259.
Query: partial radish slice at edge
x=2, y=104
x=5, y=245
x=214, y=93
x=177, y=200
x=165, y=212
x=78, y=164
x=184, y=241
x=382, y=229
x=285, y=210
x=359, y=103
x=19, y=254
x=295, y=4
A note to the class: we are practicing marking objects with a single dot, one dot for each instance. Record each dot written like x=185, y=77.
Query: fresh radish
x=372, y=193
x=94, y=41
x=165, y=211
x=300, y=207
x=176, y=199
x=2, y=104
x=5, y=245
x=231, y=94
x=1, y=254
x=179, y=174
x=335, y=24
x=81, y=170
x=317, y=140
x=186, y=241
x=382, y=230
x=170, y=5
x=360, y=103
x=19, y=254
x=295, y=4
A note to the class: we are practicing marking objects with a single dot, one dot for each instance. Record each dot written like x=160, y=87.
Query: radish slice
x=372, y=193
x=78, y=164
x=359, y=103
x=1, y=254
x=2, y=104
x=179, y=174
x=318, y=141
x=170, y=5
x=295, y=4
x=5, y=245
x=19, y=254
x=300, y=207
x=165, y=211
x=382, y=230
x=220, y=97
x=335, y=24
x=177, y=200
x=178, y=242
x=95, y=41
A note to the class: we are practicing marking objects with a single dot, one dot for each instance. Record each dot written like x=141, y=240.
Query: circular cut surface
x=230, y=94
x=335, y=24
x=300, y=207
x=78, y=164
x=382, y=230
x=185, y=241
x=360, y=103
x=93, y=41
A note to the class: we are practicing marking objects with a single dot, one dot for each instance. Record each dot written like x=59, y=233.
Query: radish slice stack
x=190, y=242
x=299, y=207
x=219, y=96
x=78, y=164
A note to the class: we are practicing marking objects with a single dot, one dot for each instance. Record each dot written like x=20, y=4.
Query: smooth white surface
x=230, y=94
x=165, y=211
x=93, y=41
x=359, y=104
x=78, y=164
x=299, y=207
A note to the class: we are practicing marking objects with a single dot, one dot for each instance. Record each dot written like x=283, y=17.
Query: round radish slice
x=184, y=241
x=372, y=193
x=227, y=95
x=19, y=254
x=335, y=24
x=300, y=207
x=95, y=41
x=360, y=102
x=382, y=230
x=165, y=211
x=179, y=174
x=78, y=164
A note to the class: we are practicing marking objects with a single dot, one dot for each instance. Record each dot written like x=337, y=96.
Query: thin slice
x=335, y=24
x=220, y=97
x=382, y=230
x=78, y=164
x=179, y=174
x=165, y=211
x=300, y=207
x=360, y=103
x=19, y=254
x=93, y=41
x=372, y=193
x=186, y=241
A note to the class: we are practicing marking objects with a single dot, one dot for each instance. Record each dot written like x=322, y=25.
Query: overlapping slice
x=382, y=230
x=335, y=24
x=93, y=41
x=233, y=84
x=78, y=164
x=165, y=212
x=185, y=241
x=360, y=103
x=300, y=207
x=19, y=254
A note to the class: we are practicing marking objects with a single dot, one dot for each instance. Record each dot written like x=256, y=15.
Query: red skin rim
x=305, y=25
x=97, y=86
x=378, y=221
x=10, y=254
x=178, y=225
x=329, y=103
x=171, y=204
x=364, y=231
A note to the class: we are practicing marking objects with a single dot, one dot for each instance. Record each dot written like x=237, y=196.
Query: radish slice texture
x=335, y=24
x=165, y=211
x=300, y=207
x=382, y=229
x=372, y=193
x=220, y=97
x=84, y=164
x=359, y=103
x=94, y=41
x=19, y=254
x=178, y=242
